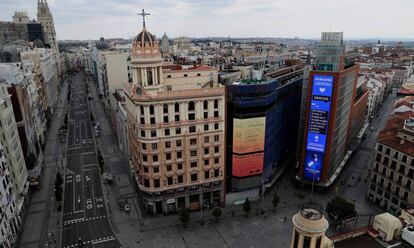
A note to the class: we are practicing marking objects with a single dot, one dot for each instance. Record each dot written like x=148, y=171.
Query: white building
x=376, y=89
x=10, y=220
x=9, y=139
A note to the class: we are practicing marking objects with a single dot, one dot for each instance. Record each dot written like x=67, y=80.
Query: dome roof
x=145, y=37
x=145, y=45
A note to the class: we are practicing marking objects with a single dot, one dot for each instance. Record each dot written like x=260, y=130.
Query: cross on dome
x=143, y=14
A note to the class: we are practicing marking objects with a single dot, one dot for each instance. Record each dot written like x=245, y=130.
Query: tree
x=339, y=208
x=216, y=213
x=184, y=216
x=247, y=207
x=275, y=201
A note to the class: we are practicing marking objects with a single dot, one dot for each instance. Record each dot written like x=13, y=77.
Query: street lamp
x=313, y=183
x=263, y=191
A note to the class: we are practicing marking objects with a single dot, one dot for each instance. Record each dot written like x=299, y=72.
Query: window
x=152, y=120
x=179, y=166
x=153, y=133
x=206, y=139
x=165, y=108
x=205, y=115
x=179, y=154
x=198, y=74
x=216, y=114
x=193, y=141
x=191, y=117
x=193, y=153
x=152, y=110
x=167, y=144
x=168, y=76
x=380, y=148
x=206, y=127
x=206, y=162
x=169, y=167
x=146, y=183
x=216, y=126
x=177, y=118
x=205, y=105
x=193, y=164
x=216, y=173
x=156, y=183
x=215, y=103
x=165, y=119
x=142, y=120
x=178, y=143
x=141, y=109
x=144, y=158
x=206, y=174
x=169, y=180
x=167, y=132
x=185, y=75
x=216, y=138
x=192, y=129
x=191, y=106
x=168, y=156
x=193, y=177
x=216, y=149
x=156, y=169
x=206, y=151
x=154, y=146
x=144, y=146
x=154, y=158
x=178, y=130
x=180, y=179
x=216, y=160
x=142, y=133
x=177, y=107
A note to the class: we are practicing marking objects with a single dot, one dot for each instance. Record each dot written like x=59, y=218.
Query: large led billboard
x=248, y=146
x=318, y=126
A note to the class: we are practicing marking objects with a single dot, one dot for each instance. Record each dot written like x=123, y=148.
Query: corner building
x=334, y=113
x=176, y=131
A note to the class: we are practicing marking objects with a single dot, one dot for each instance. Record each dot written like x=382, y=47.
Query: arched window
x=165, y=108
x=191, y=106
x=216, y=103
x=151, y=110
x=141, y=108
x=177, y=107
x=205, y=104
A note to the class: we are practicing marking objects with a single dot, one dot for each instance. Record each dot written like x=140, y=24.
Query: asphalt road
x=85, y=222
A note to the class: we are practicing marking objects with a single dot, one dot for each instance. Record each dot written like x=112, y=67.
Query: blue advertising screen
x=318, y=125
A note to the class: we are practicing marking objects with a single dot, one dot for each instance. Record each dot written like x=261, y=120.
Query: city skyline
x=83, y=20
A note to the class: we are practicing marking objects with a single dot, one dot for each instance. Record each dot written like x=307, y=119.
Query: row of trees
x=185, y=216
x=59, y=190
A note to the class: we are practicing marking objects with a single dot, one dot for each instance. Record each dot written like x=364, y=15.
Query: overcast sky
x=91, y=19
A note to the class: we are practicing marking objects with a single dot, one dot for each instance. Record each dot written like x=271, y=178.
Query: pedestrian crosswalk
x=69, y=222
x=93, y=241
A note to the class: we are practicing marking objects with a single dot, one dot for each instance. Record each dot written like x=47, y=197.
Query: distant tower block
x=309, y=228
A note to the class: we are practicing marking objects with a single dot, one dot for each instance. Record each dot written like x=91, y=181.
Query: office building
x=334, y=114
x=176, y=119
x=391, y=174
x=262, y=130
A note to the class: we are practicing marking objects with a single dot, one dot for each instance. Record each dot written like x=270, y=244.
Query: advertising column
x=318, y=126
x=248, y=146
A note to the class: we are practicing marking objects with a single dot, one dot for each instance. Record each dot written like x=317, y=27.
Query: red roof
x=395, y=123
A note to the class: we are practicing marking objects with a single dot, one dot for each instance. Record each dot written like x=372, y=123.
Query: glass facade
x=279, y=105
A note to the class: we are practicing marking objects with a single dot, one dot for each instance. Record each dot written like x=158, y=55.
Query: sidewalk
x=42, y=217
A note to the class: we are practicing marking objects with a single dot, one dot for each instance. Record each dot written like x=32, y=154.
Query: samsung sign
x=318, y=126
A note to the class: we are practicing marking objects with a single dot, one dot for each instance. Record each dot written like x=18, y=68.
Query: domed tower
x=146, y=61
x=309, y=227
